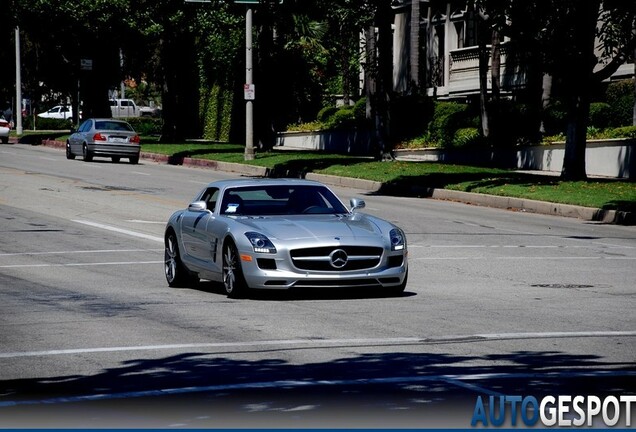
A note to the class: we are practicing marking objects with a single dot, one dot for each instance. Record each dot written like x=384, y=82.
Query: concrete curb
x=519, y=204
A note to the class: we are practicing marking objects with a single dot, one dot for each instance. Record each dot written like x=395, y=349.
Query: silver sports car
x=280, y=234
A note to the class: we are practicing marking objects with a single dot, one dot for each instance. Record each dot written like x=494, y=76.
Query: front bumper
x=285, y=275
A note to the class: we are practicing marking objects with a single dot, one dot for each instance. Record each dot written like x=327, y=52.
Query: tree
x=576, y=28
x=83, y=30
x=346, y=20
x=379, y=76
x=164, y=29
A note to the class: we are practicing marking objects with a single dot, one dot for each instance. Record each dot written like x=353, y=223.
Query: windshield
x=113, y=125
x=280, y=200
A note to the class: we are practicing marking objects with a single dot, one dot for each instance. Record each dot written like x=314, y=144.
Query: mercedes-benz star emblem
x=338, y=258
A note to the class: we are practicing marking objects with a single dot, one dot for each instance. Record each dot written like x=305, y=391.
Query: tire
x=176, y=273
x=69, y=153
x=87, y=154
x=5, y=140
x=233, y=280
x=115, y=159
x=134, y=159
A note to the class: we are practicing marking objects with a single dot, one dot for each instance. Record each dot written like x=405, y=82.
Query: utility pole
x=18, y=85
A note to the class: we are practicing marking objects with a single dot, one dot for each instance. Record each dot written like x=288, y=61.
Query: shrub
x=554, y=118
x=600, y=114
x=360, y=110
x=620, y=97
x=325, y=113
x=622, y=132
x=146, y=125
x=342, y=119
x=447, y=118
x=466, y=137
x=53, y=124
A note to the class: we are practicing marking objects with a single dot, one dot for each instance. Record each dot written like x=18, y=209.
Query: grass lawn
x=400, y=177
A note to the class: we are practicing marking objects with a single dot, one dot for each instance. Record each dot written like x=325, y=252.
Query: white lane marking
x=325, y=342
x=450, y=378
x=81, y=264
x=434, y=246
x=47, y=158
x=552, y=258
x=145, y=221
x=140, y=173
x=98, y=251
x=120, y=230
x=198, y=182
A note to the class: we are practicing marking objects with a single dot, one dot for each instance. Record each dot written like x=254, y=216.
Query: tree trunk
x=494, y=117
x=369, y=72
x=495, y=67
x=579, y=71
x=415, y=44
x=546, y=97
x=96, y=82
x=384, y=83
x=483, y=87
x=575, y=139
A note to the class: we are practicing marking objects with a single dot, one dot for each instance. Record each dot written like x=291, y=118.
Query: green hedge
x=600, y=115
x=554, y=118
x=325, y=113
x=146, y=125
x=447, y=118
x=622, y=132
x=465, y=137
x=48, y=124
x=216, y=113
x=343, y=118
x=620, y=97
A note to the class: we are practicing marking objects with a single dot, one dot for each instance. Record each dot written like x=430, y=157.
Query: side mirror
x=198, y=207
x=356, y=203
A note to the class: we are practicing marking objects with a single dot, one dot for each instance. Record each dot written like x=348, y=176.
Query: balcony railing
x=464, y=71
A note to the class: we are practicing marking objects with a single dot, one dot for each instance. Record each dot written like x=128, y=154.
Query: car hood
x=314, y=226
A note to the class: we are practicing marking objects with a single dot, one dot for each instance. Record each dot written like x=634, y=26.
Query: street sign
x=249, y=91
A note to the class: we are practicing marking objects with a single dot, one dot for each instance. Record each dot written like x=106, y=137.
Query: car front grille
x=336, y=258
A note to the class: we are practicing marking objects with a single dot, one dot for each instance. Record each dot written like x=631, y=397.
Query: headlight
x=260, y=243
x=398, y=240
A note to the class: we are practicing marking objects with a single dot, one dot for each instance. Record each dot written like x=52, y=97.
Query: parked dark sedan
x=104, y=137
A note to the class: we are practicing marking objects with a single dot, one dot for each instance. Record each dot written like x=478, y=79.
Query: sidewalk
x=515, y=204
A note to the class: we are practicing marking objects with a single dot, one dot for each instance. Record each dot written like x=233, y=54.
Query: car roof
x=246, y=182
x=106, y=119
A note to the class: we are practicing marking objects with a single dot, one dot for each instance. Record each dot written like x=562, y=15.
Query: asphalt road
x=498, y=303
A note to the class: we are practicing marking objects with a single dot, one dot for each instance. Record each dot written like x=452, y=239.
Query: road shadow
x=257, y=386
x=297, y=294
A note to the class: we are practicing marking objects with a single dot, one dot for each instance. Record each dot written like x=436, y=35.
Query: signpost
x=249, y=82
x=17, y=116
